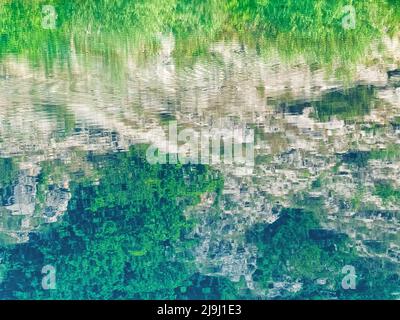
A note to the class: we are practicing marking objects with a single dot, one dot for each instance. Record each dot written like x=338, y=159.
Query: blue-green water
x=89, y=87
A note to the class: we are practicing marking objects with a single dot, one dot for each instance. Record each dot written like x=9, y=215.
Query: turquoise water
x=311, y=209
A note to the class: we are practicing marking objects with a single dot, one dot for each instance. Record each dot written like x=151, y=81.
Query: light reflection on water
x=311, y=132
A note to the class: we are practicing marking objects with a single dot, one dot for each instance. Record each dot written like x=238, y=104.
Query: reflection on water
x=77, y=193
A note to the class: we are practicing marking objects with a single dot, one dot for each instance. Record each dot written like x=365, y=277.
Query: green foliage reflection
x=123, y=237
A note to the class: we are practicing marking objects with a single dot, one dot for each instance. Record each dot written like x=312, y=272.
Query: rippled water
x=78, y=194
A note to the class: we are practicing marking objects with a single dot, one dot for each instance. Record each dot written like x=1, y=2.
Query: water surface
x=81, y=103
